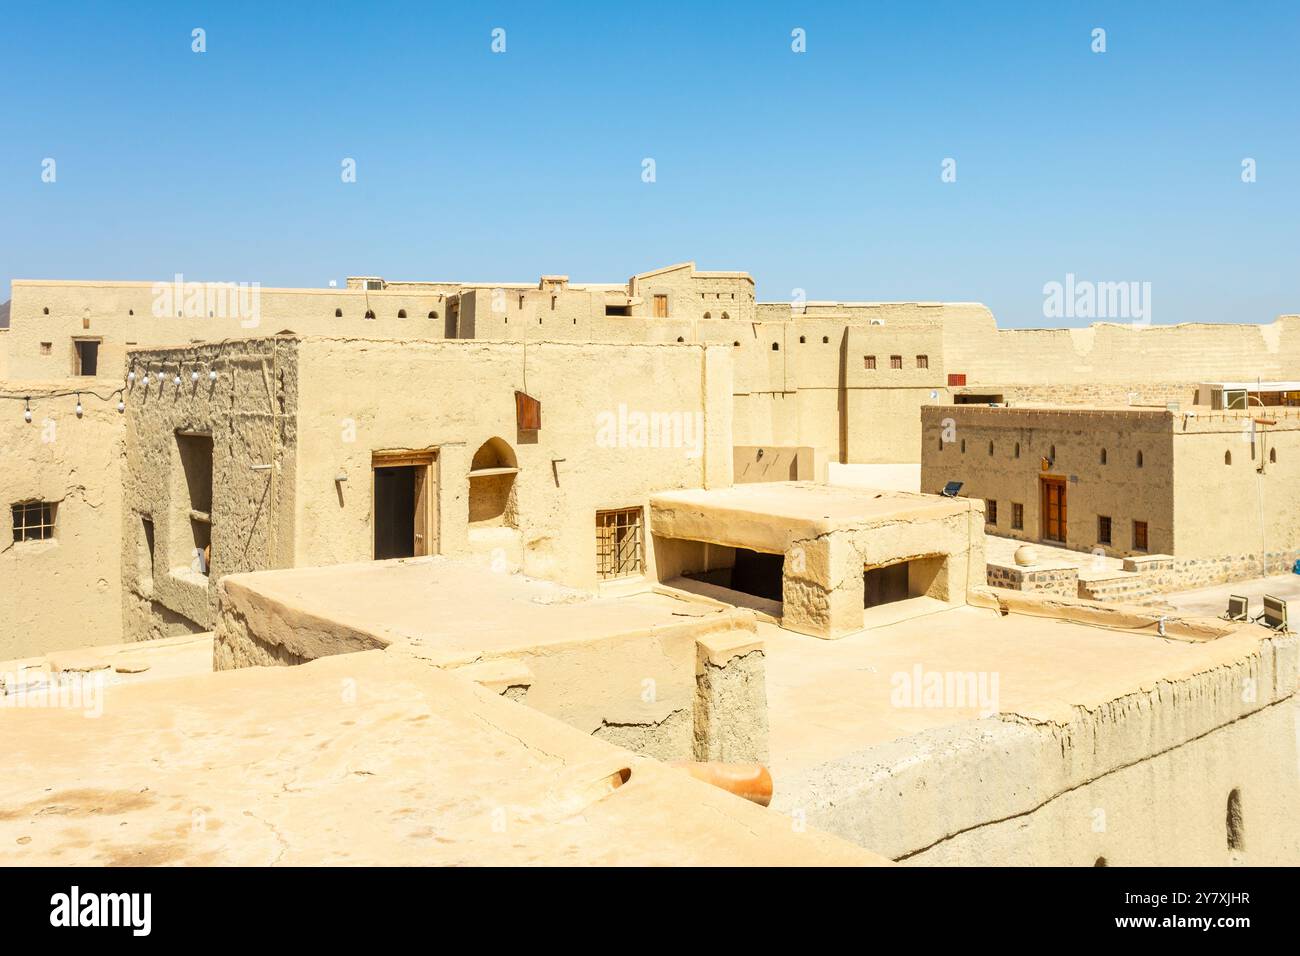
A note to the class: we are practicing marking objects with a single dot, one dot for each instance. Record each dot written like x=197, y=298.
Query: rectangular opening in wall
x=1017, y=517
x=1103, y=529
x=885, y=585
x=404, y=505
x=758, y=573
x=990, y=511
x=737, y=576
x=619, y=310
x=192, y=503
x=620, y=546
x=901, y=580
x=33, y=520
x=85, y=358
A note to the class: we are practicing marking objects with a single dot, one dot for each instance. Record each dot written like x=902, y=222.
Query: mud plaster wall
x=248, y=412
x=730, y=706
x=823, y=591
x=65, y=592
x=811, y=389
x=1199, y=487
x=1119, y=489
x=1141, y=780
x=456, y=396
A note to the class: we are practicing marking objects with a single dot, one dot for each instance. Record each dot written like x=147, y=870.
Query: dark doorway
x=886, y=584
x=395, y=512
x=86, y=357
x=758, y=574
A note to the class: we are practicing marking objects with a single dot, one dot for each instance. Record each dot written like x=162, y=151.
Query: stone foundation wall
x=1166, y=573
x=1062, y=580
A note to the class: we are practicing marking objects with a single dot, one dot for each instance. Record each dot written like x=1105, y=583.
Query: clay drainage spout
x=748, y=780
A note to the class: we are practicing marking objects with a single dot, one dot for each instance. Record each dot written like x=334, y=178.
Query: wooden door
x=416, y=509
x=421, y=510
x=1053, y=509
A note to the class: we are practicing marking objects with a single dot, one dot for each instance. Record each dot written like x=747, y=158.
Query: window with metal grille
x=990, y=511
x=1139, y=535
x=34, y=520
x=1103, y=529
x=1017, y=516
x=869, y=361
x=923, y=361
x=619, y=544
x=895, y=361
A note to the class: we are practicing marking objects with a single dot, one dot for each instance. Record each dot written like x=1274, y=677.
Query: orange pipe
x=748, y=780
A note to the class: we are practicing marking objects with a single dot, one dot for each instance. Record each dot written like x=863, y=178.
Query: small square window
x=895, y=361
x=47, y=348
x=1017, y=516
x=869, y=361
x=1103, y=529
x=923, y=361
x=619, y=546
x=33, y=520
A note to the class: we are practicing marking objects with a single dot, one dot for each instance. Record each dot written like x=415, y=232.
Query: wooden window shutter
x=528, y=412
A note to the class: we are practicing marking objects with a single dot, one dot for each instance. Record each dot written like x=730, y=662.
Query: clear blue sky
x=818, y=170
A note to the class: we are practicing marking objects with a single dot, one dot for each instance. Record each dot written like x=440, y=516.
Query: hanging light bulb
x=212, y=375
x=194, y=375
x=27, y=410
x=160, y=376
x=130, y=376
x=121, y=405
x=176, y=380
x=79, y=408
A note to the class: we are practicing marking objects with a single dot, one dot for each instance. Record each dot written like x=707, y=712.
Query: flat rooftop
x=828, y=699
x=134, y=662
x=416, y=766
x=451, y=612
x=773, y=513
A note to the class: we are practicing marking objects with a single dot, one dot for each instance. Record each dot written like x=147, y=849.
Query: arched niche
x=492, y=485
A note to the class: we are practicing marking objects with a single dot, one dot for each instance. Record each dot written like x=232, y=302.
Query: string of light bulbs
x=80, y=409
x=148, y=376
x=144, y=377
